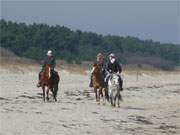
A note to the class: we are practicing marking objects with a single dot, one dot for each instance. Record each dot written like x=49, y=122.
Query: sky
x=158, y=20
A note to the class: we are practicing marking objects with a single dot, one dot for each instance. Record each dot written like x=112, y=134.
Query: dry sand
x=151, y=106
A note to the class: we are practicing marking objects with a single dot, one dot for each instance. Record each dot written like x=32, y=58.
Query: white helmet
x=49, y=53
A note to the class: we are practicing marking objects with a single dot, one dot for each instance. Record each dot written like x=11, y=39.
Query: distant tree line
x=33, y=41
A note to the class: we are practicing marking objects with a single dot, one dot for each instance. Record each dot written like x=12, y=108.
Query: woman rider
x=100, y=62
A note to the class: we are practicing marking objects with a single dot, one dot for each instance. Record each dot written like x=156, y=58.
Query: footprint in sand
x=140, y=119
x=64, y=108
x=169, y=129
x=25, y=96
x=95, y=112
x=6, y=99
x=134, y=108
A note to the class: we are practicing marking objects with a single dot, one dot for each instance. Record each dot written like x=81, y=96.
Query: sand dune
x=151, y=106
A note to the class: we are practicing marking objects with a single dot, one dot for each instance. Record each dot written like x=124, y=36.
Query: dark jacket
x=50, y=61
x=113, y=67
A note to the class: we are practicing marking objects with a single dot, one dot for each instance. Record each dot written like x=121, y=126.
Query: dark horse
x=49, y=80
x=98, y=83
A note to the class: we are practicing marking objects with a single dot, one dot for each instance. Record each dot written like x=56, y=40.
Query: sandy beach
x=151, y=106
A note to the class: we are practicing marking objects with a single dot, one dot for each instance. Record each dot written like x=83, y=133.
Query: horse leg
x=114, y=101
x=43, y=87
x=118, y=98
x=98, y=96
x=55, y=87
x=118, y=101
x=110, y=96
x=104, y=96
x=55, y=99
x=47, y=94
x=95, y=90
x=54, y=91
x=111, y=99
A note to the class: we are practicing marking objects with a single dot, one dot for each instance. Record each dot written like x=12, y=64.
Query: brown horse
x=98, y=83
x=49, y=81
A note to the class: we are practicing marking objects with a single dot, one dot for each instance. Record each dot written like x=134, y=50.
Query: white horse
x=114, y=89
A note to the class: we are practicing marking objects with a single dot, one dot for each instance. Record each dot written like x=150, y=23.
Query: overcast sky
x=145, y=19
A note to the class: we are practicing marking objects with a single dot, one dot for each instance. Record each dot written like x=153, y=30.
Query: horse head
x=114, y=79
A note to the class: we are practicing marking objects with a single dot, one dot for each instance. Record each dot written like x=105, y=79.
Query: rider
x=100, y=62
x=114, y=67
x=50, y=60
